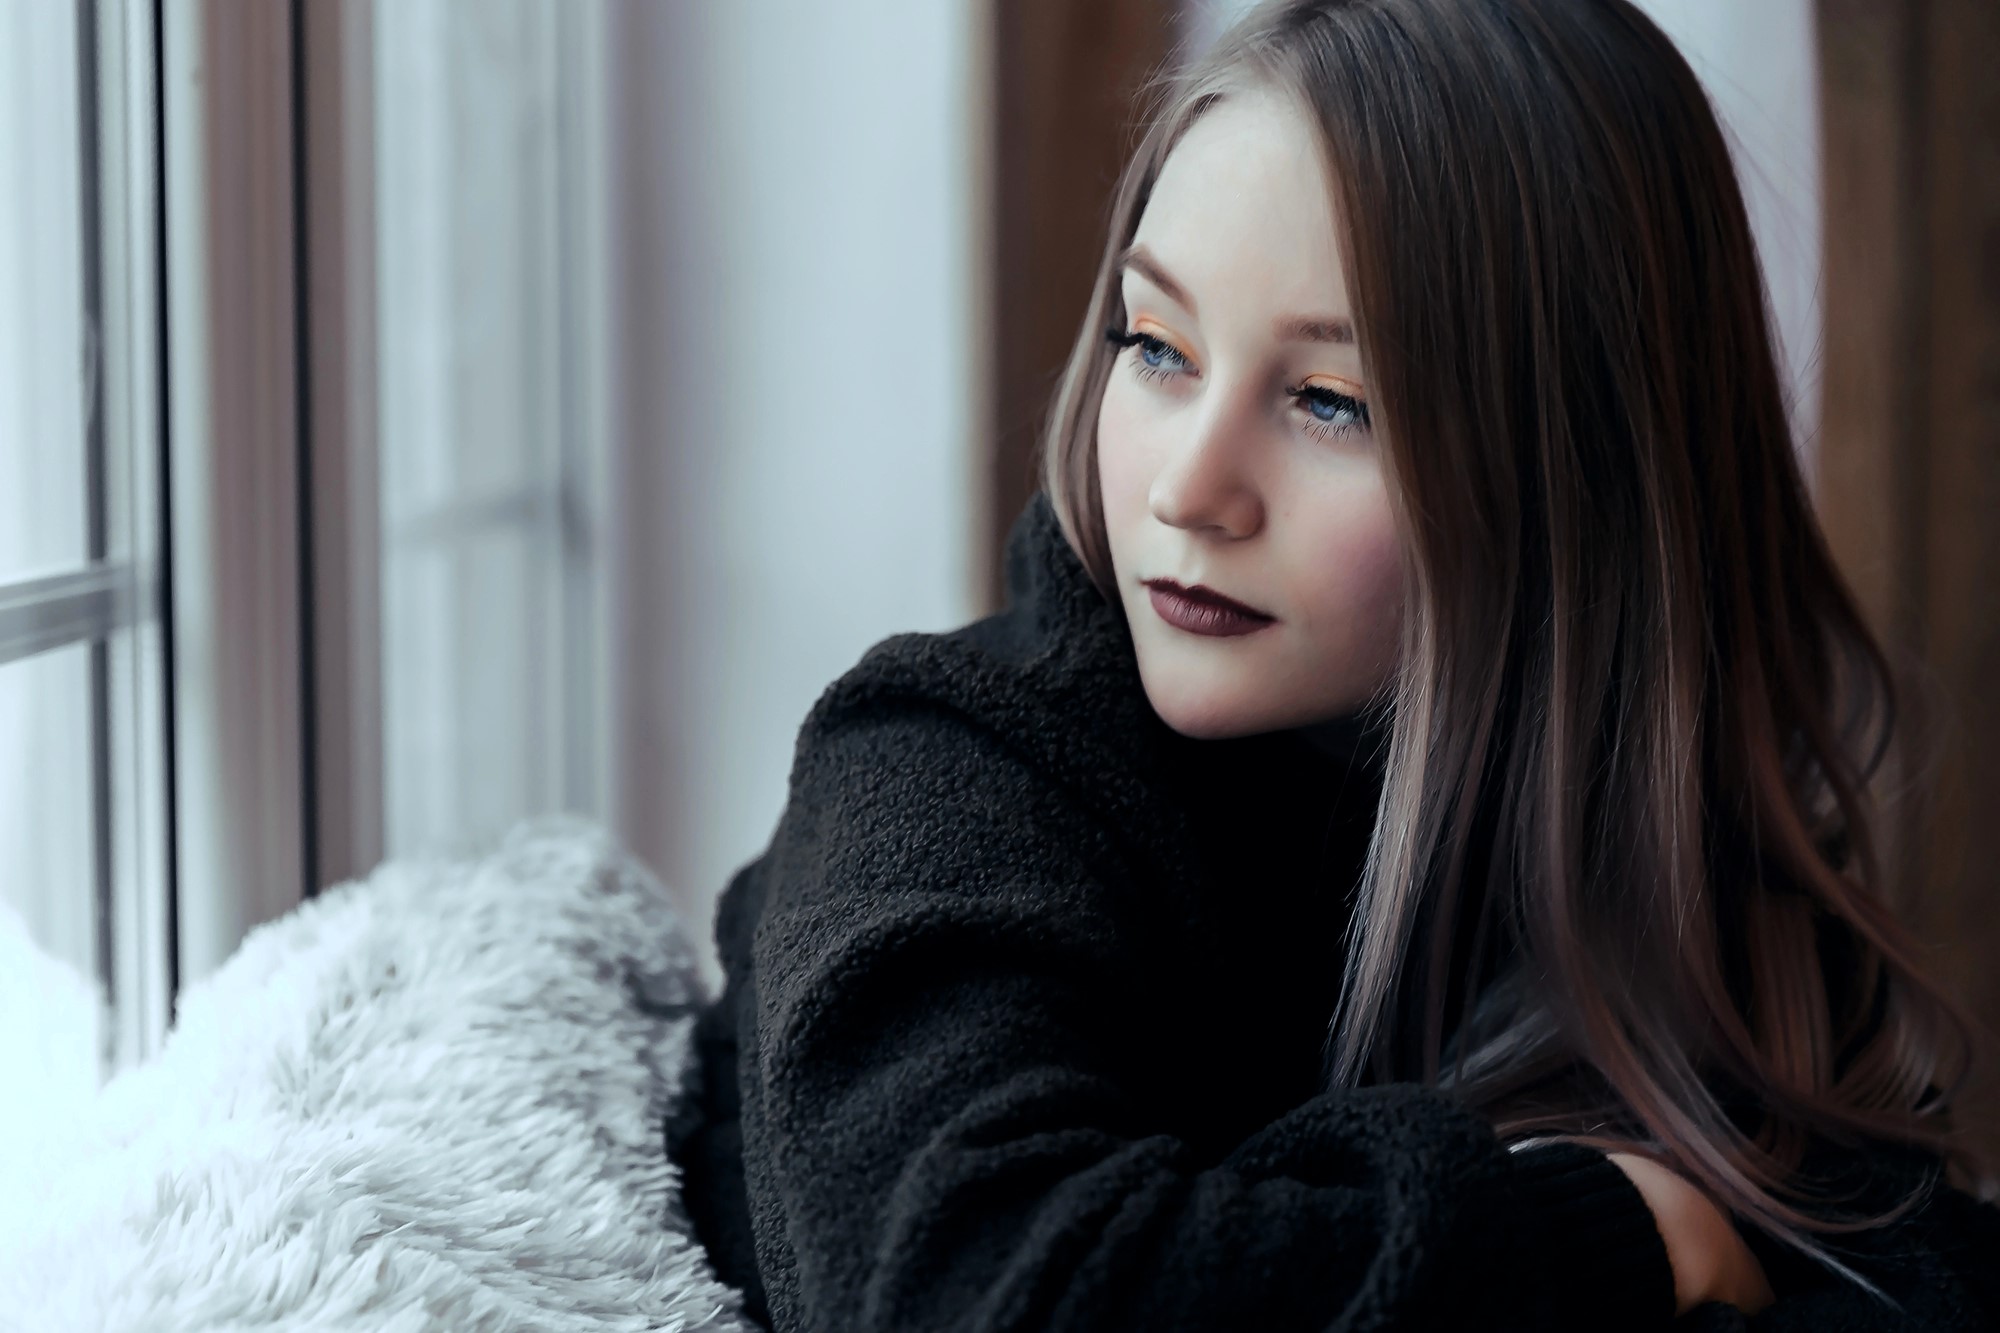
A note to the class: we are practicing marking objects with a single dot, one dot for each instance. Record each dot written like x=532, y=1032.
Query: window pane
x=471, y=728
x=42, y=504
x=491, y=445
x=52, y=1011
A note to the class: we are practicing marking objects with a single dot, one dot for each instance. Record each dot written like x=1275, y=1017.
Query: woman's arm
x=1939, y=1269
x=1710, y=1259
x=942, y=1123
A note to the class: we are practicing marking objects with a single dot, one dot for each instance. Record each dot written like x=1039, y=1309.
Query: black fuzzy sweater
x=1022, y=1031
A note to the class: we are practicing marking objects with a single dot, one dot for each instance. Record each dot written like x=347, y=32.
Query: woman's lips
x=1200, y=610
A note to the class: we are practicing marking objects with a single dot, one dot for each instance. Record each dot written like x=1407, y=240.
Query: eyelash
x=1331, y=398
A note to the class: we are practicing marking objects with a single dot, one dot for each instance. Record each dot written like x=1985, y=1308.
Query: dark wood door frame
x=1066, y=78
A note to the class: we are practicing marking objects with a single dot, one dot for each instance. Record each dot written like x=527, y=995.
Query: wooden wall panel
x=1909, y=478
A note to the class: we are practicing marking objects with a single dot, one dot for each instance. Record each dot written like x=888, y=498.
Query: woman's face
x=1233, y=447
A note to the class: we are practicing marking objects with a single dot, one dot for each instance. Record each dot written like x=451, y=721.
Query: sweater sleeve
x=952, y=1137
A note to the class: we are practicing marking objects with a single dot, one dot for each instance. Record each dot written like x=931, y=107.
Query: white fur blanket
x=433, y=1099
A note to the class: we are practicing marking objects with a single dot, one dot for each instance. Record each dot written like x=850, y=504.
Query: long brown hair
x=1622, y=885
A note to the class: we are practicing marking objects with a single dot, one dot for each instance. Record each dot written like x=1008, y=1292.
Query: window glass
x=42, y=496
x=52, y=1036
x=85, y=975
x=488, y=301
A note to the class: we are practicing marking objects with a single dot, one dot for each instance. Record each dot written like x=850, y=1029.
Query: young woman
x=1400, y=860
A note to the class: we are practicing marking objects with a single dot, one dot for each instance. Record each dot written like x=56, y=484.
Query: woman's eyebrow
x=1139, y=257
x=1297, y=328
x=1291, y=328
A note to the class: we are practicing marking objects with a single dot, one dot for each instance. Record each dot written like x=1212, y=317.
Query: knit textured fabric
x=1023, y=1030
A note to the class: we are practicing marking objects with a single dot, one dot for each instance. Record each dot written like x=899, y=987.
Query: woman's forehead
x=1242, y=215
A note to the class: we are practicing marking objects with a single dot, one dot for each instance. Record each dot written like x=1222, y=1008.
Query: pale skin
x=1234, y=451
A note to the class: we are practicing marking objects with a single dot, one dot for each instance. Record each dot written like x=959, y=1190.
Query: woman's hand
x=1710, y=1260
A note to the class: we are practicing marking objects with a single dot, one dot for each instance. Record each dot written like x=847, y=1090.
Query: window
x=85, y=956
x=314, y=384
x=303, y=438
x=386, y=438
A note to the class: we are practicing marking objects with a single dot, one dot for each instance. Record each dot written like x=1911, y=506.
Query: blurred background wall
x=799, y=211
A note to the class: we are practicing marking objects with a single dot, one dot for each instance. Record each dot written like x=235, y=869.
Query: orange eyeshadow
x=1340, y=384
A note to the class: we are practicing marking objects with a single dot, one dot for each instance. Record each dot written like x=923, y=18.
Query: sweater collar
x=1090, y=664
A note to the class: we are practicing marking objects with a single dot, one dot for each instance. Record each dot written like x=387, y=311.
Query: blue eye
x=1333, y=412
x=1155, y=357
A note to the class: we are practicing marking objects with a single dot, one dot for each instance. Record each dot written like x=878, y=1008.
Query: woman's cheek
x=1368, y=615
x=1121, y=469
x=1381, y=561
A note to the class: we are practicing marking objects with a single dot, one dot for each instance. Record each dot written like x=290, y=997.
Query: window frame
x=113, y=602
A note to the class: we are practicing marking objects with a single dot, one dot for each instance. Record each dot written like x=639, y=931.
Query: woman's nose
x=1206, y=480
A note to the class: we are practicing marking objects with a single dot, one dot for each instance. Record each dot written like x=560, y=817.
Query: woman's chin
x=1201, y=707
x=1204, y=712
